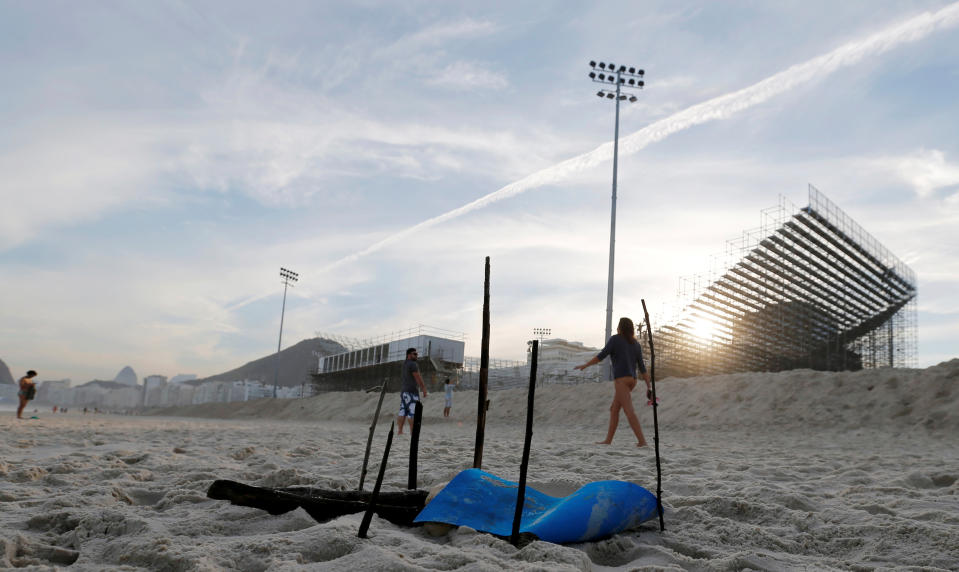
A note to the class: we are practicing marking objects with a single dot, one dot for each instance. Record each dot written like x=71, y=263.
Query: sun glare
x=703, y=328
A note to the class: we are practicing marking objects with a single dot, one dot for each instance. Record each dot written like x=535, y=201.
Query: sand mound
x=900, y=398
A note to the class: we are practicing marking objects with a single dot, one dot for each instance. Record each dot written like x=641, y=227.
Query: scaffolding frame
x=808, y=288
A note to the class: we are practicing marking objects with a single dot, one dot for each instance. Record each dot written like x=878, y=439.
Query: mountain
x=5, y=377
x=295, y=364
x=126, y=376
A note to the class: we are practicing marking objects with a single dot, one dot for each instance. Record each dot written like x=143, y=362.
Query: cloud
x=72, y=172
x=722, y=107
x=928, y=172
x=466, y=76
x=442, y=33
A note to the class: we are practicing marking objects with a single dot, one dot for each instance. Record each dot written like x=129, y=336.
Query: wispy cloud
x=722, y=107
x=927, y=171
x=465, y=76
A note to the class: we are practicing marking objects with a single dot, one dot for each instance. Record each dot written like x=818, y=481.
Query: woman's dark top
x=624, y=356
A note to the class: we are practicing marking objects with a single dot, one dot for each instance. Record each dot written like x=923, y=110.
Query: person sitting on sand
x=625, y=353
x=28, y=390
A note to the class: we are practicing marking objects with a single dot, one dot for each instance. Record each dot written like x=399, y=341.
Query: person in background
x=28, y=390
x=448, y=387
x=409, y=395
x=626, y=354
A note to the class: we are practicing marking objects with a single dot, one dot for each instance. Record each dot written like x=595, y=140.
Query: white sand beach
x=798, y=470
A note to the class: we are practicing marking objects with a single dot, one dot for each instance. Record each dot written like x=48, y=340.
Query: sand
x=790, y=471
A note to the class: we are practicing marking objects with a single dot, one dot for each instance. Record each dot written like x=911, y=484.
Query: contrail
x=721, y=107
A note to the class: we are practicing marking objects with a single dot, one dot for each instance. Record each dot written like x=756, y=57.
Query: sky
x=161, y=161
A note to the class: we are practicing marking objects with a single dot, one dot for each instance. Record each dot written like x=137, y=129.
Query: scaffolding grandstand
x=809, y=288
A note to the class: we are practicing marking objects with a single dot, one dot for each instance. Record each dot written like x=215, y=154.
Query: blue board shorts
x=407, y=399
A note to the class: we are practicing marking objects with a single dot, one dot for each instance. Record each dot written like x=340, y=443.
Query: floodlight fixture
x=592, y=64
x=602, y=66
x=592, y=75
x=541, y=332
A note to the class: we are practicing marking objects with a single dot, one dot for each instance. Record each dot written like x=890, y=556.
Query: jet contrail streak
x=721, y=107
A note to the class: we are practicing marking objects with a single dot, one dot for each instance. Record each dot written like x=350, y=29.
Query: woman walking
x=626, y=354
x=28, y=390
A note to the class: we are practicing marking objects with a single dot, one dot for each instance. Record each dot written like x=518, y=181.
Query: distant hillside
x=295, y=364
x=5, y=376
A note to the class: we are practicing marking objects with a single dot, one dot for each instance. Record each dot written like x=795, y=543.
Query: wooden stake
x=652, y=382
x=368, y=517
x=415, y=443
x=521, y=489
x=369, y=440
x=482, y=402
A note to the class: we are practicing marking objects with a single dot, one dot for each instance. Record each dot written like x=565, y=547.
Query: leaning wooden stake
x=368, y=517
x=369, y=440
x=482, y=403
x=521, y=490
x=415, y=443
x=652, y=379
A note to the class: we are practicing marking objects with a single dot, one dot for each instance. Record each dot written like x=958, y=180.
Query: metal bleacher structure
x=810, y=288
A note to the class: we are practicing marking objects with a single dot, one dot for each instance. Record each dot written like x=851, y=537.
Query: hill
x=295, y=364
x=5, y=377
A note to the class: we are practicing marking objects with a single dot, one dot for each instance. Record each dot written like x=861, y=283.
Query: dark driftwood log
x=399, y=507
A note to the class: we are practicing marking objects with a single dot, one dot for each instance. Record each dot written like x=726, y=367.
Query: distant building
x=368, y=364
x=54, y=392
x=181, y=377
x=106, y=395
x=153, y=386
x=174, y=394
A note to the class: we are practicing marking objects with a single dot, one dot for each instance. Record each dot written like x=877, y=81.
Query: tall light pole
x=288, y=276
x=621, y=78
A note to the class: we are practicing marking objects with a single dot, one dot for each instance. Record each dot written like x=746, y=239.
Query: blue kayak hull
x=487, y=503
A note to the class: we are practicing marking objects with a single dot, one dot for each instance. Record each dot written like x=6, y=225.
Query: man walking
x=409, y=395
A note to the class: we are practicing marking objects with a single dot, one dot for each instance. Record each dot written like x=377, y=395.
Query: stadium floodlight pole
x=288, y=276
x=621, y=78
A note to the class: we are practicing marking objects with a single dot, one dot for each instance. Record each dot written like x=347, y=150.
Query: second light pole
x=621, y=78
x=288, y=276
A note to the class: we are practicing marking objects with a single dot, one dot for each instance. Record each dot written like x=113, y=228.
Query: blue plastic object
x=487, y=503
